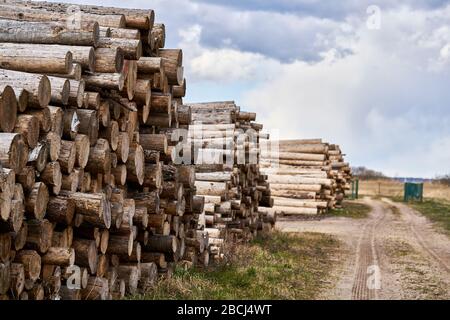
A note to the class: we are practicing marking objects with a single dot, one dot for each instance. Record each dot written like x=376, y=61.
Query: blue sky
x=314, y=68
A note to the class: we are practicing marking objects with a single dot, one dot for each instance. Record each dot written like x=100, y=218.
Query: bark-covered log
x=99, y=158
x=28, y=127
x=136, y=163
x=67, y=156
x=36, y=201
x=59, y=256
x=82, y=146
x=131, y=48
x=108, y=60
x=8, y=109
x=31, y=261
x=150, y=200
x=60, y=210
x=97, y=289
x=38, y=157
x=166, y=244
x=38, y=86
x=5, y=247
x=47, y=33
x=130, y=274
x=86, y=254
x=52, y=176
x=89, y=124
x=39, y=235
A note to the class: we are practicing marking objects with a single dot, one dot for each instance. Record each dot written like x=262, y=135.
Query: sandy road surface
x=392, y=254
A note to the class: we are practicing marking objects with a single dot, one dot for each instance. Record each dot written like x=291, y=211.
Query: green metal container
x=413, y=191
x=355, y=189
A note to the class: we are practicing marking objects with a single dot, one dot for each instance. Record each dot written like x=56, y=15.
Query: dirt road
x=395, y=253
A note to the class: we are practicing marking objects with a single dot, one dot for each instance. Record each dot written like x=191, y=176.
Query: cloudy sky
x=373, y=79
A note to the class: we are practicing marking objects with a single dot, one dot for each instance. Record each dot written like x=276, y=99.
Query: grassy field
x=391, y=188
x=352, y=209
x=275, y=266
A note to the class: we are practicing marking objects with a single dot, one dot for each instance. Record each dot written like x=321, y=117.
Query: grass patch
x=351, y=209
x=437, y=211
x=275, y=266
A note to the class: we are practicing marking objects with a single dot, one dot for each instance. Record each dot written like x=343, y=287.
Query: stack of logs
x=223, y=144
x=88, y=189
x=341, y=173
x=306, y=177
x=94, y=204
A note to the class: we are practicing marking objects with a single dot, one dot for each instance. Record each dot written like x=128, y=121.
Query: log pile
x=88, y=187
x=94, y=200
x=223, y=144
x=307, y=177
x=340, y=171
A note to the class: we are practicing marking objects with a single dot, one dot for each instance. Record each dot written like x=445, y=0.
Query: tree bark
x=86, y=254
x=36, y=202
x=46, y=33
x=131, y=48
x=40, y=233
x=67, y=156
x=61, y=210
x=52, y=176
x=59, y=256
x=38, y=86
x=8, y=109
x=31, y=261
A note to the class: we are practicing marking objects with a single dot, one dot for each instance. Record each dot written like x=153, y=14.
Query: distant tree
x=443, y=179
x=367, y=174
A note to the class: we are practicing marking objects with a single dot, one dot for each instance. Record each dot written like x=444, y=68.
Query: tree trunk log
x=86, y=254
x=89, y=124
x=166, y=244
x=40, y=235
x=59, y=257
x=67, y=156
x=131, y=48
x=61, y=210
x=8, y=109
x=99, y=158
x=31, y=261
x=28, y=126
x=38, y=86
x=109, y=60
x=36, y=202
x=46, y=33
x=135, y=164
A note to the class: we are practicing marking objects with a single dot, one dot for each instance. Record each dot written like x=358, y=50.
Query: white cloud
x=386, y=104
x=222, y=65
x=319, y=72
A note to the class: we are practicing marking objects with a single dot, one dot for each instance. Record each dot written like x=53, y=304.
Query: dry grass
x=435, y=205
x=437, y=211
x=391, y=188
x=352, y=209
x=275, y=266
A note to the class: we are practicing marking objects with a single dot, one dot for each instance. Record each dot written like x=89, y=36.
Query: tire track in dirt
x=412, y=257
x=367, y=255
x=420, y=234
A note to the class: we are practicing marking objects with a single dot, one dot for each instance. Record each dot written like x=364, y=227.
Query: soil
x=392, y=254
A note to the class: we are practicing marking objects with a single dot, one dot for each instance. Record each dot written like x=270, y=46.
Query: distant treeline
x=364, y=173
x=444, y=179
x=367, y=174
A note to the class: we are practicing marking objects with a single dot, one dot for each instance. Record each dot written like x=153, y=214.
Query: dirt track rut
x=392, y=254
